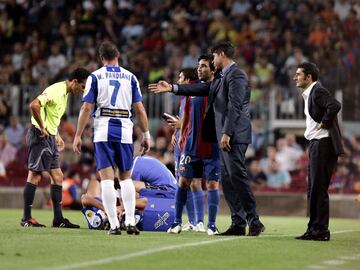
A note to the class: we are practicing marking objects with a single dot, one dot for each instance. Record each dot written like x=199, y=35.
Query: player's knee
x=184, y=183
x=34, y=178
x=196, y=185
x=212, y=185
x=83, y=199
x=58, y=178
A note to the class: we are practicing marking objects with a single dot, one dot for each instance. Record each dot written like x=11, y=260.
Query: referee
x=44, y=144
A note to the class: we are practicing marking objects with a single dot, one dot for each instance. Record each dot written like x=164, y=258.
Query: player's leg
x=190, y=210
x=105, y=162
x=39, y=160
x=124, y=162
x=32, y=182
x=212, y=172
x=193, y=169
x=213, y=201
x=198, y=198
x=56, y=197
x=180, y=201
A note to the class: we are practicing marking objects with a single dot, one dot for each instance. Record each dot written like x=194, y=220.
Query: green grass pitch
x=64, y=249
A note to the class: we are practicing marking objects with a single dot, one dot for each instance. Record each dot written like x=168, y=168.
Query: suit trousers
x=236, y=187
x=322, y=161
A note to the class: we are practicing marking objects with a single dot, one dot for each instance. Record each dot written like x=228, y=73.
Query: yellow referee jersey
x=53, y=105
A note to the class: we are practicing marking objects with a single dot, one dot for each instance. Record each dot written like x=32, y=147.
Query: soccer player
x=187, y=75
x=111, y=92
x=44, y=144
x=198, y=159
x=93, y=208
x=148, y=172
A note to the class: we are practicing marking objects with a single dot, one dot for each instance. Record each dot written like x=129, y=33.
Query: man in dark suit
x=322, y=130
x=227, y=121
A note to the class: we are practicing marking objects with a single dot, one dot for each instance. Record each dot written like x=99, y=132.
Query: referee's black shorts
x=43, y=154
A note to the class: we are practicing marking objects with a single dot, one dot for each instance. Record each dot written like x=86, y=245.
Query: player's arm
x=84, y=116
x=35, y=107
x=144, y=126
x=195, y=89
x=88, y=201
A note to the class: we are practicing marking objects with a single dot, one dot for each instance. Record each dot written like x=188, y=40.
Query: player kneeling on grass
x=44, y=144
x=94, y=211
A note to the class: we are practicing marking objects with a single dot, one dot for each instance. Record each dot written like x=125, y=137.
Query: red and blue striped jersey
x=192, y=123
x=177, y=151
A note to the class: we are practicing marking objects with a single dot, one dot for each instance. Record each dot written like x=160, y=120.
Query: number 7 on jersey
x=116, y=85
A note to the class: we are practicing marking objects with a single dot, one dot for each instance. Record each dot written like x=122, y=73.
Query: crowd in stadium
x=41, y=44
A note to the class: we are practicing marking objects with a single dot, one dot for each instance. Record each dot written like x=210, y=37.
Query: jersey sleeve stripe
x=91, y=96
x=136, y=93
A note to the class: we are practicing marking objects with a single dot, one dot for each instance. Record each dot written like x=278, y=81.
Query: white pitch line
x=160, y=249
x=137, y=254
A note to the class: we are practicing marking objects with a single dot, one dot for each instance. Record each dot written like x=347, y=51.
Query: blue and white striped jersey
x=113, y=90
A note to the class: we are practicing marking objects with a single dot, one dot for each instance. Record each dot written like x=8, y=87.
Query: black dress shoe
x=256, y=229
x=233, y=231
x=323, y=236
x=305, y=236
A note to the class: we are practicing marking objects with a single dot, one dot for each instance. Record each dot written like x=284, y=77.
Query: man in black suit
x=227, y=121
x=322, y=130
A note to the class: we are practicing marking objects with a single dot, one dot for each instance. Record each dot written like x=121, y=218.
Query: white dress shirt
x=313, y=130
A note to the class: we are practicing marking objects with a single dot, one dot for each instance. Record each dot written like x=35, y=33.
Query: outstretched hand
x=160, y=87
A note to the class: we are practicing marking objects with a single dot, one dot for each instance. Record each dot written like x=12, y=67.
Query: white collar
x=307, y=91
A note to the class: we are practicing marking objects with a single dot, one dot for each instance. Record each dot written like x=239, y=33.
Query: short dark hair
x=108, y=50
x=190, y=74
x=310, y=68
x=209, y=58
x=79, y=74
x=224, y=46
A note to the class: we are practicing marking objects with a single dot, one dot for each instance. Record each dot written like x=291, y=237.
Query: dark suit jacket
x=227, y=110
x=323, y=107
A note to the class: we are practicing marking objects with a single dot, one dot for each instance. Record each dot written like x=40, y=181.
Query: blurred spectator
x=291, y=141
x=276, y=177
x=270, y=156
x=293, y=61
x=264, y=71
x=191, y=59
x=7, y=151
x=17, y=55
x=342, y=8
x=5, y=110
x=286, y=156
x=56, y=61
x=341, y=179
x=256, y=176
x=14, y=131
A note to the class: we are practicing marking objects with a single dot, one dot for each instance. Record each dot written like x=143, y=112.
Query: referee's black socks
x=29, y=195
x=56, y=197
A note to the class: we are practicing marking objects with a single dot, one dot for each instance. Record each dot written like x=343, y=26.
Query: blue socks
x=190, y=209
x=180, y=201
x=213, y=200
x=199, y=205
